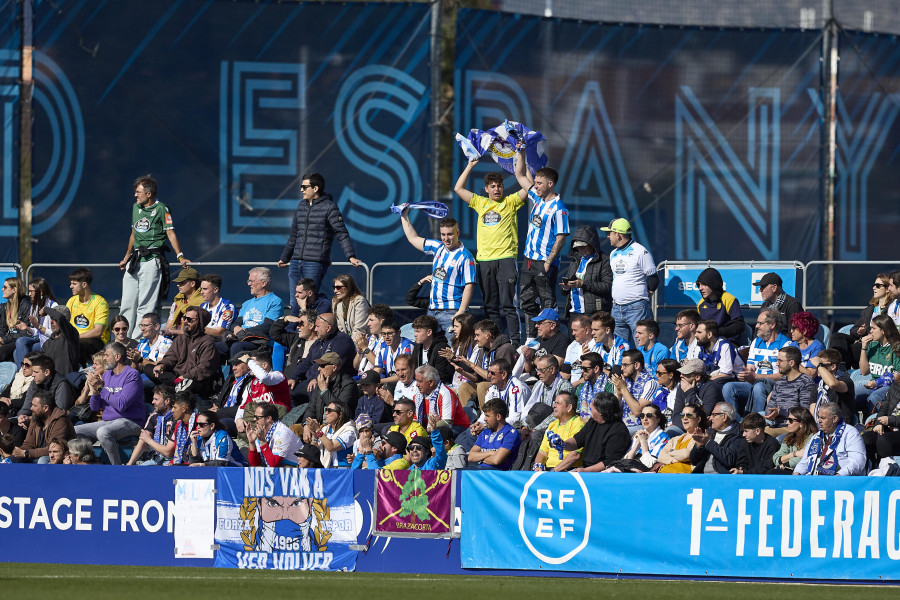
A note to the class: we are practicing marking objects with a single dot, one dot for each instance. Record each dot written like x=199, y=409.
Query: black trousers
x=536, y=285
x=498, y=280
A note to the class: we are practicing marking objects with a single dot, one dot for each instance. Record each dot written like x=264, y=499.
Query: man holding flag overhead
x=453, y=270
x=498, y=246
x=547, y=230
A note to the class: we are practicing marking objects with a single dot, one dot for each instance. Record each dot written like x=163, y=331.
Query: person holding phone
x=588, y=281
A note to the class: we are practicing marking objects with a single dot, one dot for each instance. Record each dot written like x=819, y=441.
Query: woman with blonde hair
x=350, y=308
x=16, y=312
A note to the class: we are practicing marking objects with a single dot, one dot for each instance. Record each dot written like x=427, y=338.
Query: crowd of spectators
x=335, y=383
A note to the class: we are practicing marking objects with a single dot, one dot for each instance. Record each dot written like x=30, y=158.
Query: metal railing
x=838, y=263
x=750, y=264
x=175, y=267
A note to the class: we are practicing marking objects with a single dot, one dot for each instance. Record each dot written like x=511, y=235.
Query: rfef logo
x=555, y=516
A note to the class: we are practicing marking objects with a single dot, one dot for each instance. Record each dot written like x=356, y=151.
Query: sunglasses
x=120, y=329
x=188, y=319
x=330, y=410
x=648, y=415
x=415, y=447
x=879, y=285
x=305, y=187
x=717, y=414
x=792, y=420
x=338, y=287
x=400, y=412
x=204, y=424
x=687, y=415
x=25, y=364
x=493, y=372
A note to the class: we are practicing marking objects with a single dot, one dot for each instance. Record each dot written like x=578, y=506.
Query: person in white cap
x=634, y=278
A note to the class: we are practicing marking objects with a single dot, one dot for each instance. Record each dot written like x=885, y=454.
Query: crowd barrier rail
x=746, y=527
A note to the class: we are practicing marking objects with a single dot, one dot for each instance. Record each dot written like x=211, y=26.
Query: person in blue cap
x=549, y=341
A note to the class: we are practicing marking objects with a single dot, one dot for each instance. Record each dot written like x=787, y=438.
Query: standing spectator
x=686, y=346
x=119, y=394
x=497, y=239
x=15, y=316
x=548, y=226
x=89, y=313
x=31, y=337
x=146, y=268
x=848, y=344
x=188, y=282
x=717, y=450
x=758, y=377
x=721, y=357
x=837, y=449
x=453, y=270
x=646, y=335
x=634, y=278
x=221, y=311
x=498, y=443
x=879, y=361
x=47, y=422
x=349, y=306
x=804, y=327
x=793, y=389
x=758, y=447
x=720, y=306
x=774, y=296
x=256, y=316
x=635, y=387
x=317, y=221
x=589, y=279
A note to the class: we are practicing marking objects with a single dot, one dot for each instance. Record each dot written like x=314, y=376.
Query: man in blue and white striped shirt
x=548, y=226
x=453, y=270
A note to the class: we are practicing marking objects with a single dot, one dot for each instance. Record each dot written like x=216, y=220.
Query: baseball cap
x=370, y=377
x=397, y=440
x=310, y=453
x=421, y=439
x=329, y=358
x=619, y=226
x=769, y=279
x=578, y=244
x=187, y=274
x=243, y=357
x=548, y=314
x=691, y=366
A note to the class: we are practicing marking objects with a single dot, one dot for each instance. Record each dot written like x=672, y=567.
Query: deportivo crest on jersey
x=536, y=220
x=143, y=225
x=81, y=322
x=490, y=218
x=440, y=273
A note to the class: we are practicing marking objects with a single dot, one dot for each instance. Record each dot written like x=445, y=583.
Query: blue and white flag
x=500, y=142
x=432, y=208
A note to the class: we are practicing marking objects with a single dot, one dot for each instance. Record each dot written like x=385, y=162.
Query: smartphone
x=616, y=370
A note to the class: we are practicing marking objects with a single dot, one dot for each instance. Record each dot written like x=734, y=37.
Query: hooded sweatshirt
x=598, y=277
x=62, y=346
x=193, y=355
x=721, y=307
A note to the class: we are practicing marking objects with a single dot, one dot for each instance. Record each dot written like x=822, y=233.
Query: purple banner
x=414, y=503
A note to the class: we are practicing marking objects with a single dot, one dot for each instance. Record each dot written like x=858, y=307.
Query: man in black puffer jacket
x=589, y=279
x=316, y=222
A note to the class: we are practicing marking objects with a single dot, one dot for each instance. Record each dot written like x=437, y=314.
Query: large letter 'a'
x=704, y=160
x=593, y=170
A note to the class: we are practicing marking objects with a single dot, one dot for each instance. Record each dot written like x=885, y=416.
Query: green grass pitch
x=77, y=582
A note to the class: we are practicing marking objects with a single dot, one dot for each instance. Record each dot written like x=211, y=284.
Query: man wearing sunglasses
x=317, y=220
x=404, y=420
x=192, y=359
x=774, y=296
x=717, y=450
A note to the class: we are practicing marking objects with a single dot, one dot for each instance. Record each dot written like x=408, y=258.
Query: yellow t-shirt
x=498, y=225
x=413, y=429
x=87, y=315
x=572, y=426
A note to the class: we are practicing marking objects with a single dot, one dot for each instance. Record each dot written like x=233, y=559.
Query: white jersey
x=631, y=266
x=282, y=442
x=515, y=395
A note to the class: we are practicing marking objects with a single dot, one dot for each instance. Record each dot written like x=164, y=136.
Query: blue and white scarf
x=182, y=439
x=501, y=144
x=825, y=462
x=233, y=394
x=159, y=434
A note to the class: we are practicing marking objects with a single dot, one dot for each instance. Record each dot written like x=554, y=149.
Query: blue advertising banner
x=92, y=514
x=680, y=287
x=286, y=519
x=746, y=526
